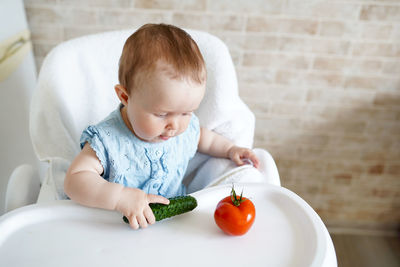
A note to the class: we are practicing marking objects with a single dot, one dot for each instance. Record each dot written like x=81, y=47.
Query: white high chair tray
x=286, y=232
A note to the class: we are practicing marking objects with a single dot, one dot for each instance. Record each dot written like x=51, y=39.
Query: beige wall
x=321, y=76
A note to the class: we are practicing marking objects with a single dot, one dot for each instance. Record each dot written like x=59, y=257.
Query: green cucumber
x=176, y=206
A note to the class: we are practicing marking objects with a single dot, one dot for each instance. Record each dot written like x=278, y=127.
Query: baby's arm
x=216, y=145
x=84, y=185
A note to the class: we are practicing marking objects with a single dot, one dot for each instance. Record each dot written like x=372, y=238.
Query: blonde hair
x=155, y=43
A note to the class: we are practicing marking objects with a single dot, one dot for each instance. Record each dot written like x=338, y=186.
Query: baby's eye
x=161, y=115
x=187, y=113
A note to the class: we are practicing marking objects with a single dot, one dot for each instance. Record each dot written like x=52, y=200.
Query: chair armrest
x=221, y=170
x=23, y=187
x=52, y=187
x=268, y=166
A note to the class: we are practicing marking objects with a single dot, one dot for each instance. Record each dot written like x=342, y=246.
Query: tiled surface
x=367, y=251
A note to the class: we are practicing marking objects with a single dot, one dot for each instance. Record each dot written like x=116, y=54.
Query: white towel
x=75, y=89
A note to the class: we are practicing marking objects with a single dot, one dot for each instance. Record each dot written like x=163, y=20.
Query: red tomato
x=235, y=214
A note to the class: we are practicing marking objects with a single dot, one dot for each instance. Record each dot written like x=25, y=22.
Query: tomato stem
x=235, y=199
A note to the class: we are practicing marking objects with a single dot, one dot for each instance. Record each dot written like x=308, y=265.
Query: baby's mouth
x=164, y=137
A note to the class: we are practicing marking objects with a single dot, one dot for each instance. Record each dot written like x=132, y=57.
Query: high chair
x=75, y=89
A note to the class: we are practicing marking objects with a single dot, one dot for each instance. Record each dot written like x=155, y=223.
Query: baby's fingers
x=148, y=213
x=133, y=222
x=236, y=158
x=157, y=199
x=142, y=221
x=254, y=159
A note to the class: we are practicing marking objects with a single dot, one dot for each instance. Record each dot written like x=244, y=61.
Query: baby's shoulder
x=106, y=130
x=110, y=123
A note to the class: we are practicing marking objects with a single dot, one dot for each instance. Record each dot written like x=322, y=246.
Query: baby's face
x=162, y=107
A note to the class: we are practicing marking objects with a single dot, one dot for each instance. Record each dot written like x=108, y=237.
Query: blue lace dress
x=156, y=168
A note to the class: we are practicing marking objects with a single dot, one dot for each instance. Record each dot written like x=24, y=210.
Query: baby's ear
x=122, y=94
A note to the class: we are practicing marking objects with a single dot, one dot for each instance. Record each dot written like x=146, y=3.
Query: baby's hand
x=240, y=154
x=134, y=204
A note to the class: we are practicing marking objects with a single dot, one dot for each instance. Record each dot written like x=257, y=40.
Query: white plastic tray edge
x=12, y=221
x=319, y=226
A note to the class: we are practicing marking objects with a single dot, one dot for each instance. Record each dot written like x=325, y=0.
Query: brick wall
x=322, y=78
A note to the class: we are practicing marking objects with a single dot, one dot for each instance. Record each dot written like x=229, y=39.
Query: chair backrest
x=75, y=89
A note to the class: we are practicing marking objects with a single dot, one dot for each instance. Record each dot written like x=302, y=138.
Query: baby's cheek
x=186, y=124
x=152, y=127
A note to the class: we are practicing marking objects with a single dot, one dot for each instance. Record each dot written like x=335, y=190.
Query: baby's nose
x=172, y=124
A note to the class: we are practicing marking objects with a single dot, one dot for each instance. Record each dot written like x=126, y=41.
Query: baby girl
x=139, y=153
